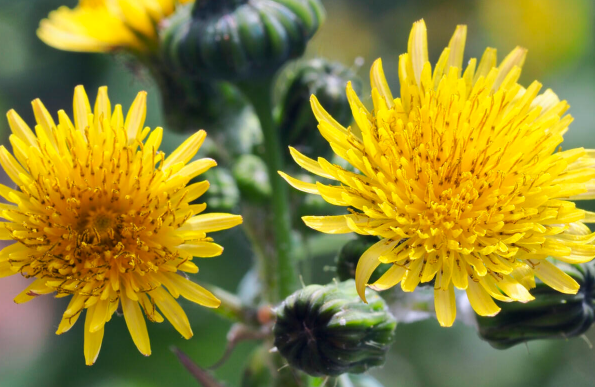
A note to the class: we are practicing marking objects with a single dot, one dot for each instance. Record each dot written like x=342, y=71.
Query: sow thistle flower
x=106, y=25
x=459, y=178
x=103, y=216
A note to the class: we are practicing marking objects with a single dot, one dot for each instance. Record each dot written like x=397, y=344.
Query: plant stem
x=231, y=306
x=260, y=95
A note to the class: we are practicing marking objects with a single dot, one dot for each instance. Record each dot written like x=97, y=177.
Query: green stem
x=260, y=95
x=231, y=306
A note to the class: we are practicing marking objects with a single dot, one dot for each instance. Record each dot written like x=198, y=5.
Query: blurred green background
x=559, y=35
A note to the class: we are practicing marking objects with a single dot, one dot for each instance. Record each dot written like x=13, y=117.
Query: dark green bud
x=240, y=39
x=252, y=177
x=329, y=331
x=552, y=315
x=190, y=103
x=327, y=80
x=350, y=254
x=223, y=194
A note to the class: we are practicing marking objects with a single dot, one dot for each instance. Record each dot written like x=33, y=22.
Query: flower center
x=100, y=226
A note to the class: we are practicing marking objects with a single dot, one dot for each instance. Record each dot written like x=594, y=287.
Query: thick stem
x=260, y=95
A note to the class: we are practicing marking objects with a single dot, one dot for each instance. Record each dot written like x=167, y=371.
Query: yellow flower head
x=460, y=178
x=102, y=215
x=106, y=25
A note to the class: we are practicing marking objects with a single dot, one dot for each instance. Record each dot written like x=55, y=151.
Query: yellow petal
x=486, y=64
x=68, y=322
x=322, y=116
x=445, y=305
x=514, y=289
x=368, y=262
x=300, y=185
x=197, y=167
x=135, y=119
x=457, y=48
x=418, y=48
x=100, y=315
x=211, y=222
x=6, y=269
x=516, y=58
x=82, y=108
x=93, y=340
x=308, y=164
x=20, y=128
x=201, y=249
x=35, y=289
x=391, y=278
x=103, y=108
x=480, y=300
x=136, y=325
x=137, y=17
x=186, y=151
x=328, y=224
x=554, y=277
x=44, y=119
x=194, y=292
x=378, y=81
x=172, y=311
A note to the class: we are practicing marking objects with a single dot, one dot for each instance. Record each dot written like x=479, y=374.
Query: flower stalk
x=260, y=96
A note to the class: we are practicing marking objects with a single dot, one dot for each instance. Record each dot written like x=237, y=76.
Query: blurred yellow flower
x=102, y=215
x=558, y=31
x=106, y=25
x=460, y=179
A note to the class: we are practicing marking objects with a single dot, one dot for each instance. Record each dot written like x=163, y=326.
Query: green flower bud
x=350, y=254
x=223, y=194
x=240, y=39
x=328, y=330
x=190, y=103
x=252, y=177
x=327, y=80
x=551, y=315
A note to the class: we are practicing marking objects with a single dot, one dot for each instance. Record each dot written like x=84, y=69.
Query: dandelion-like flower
x=103, y=216
x=106, y=25
x=460, y=178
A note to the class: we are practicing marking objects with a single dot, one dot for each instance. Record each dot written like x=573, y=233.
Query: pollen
x=101, y=215
x=461, y=178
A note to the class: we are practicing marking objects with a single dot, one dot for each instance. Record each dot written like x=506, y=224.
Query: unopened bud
x=328, y=330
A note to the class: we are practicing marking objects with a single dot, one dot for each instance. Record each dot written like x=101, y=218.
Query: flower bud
x=240, y=39
x=551, y=315
x=190, y=103
x=252, y=177
x=327, y=81
x=327, y=330
x=223, y=194
x=350, y=254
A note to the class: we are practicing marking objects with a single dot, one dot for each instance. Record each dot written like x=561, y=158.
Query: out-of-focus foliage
x=561, y=54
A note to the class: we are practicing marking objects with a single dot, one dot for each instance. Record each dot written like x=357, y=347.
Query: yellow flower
x=460, y=178
x=102, y=215
x=106, y=25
